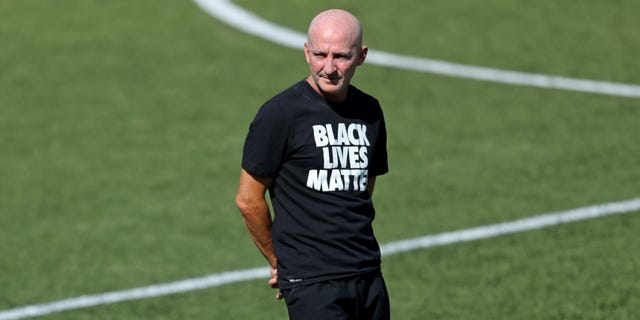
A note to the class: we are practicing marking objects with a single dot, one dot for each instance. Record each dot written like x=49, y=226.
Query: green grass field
x=122, y=123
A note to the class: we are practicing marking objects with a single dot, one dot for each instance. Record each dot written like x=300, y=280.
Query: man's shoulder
x=291, y=101
x=293, y=92
x=360, y=95
x=364, y=105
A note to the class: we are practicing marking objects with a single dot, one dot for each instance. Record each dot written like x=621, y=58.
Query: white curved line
x=238, y=17
x=218, y=279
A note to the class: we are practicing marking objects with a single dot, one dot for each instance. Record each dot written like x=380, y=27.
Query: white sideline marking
x=238, y=17
x=157, y=290
x=530, y=223
x=218, y=279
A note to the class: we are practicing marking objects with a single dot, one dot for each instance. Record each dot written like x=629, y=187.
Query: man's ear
x=363, y=55
x=306, y=51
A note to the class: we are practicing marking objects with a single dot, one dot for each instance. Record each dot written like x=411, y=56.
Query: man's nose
x=329, y=66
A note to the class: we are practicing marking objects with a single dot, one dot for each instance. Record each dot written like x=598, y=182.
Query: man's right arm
x=255, y=212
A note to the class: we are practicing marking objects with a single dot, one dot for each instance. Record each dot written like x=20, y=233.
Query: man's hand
x=273, y=282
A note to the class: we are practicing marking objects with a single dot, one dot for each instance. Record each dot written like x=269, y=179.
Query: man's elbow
x=243, y=204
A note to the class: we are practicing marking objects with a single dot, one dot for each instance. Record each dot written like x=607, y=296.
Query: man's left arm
x=370, y=185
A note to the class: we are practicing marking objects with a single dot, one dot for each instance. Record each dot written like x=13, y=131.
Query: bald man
x=317, y=147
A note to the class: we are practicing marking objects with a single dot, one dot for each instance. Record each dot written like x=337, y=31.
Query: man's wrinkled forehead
x=343, y=51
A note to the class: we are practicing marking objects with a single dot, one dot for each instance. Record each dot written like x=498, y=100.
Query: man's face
x=333, y=60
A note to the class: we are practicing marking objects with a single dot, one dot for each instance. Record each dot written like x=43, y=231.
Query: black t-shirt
x=320, y=156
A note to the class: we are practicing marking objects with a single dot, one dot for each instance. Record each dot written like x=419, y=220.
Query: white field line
x=530, y=223
x=218, y=279
x=157, y=290
x=238, y=17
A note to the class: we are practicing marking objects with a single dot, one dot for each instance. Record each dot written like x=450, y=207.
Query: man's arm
x=257, y=218
x=255, y=212
x=371, y=183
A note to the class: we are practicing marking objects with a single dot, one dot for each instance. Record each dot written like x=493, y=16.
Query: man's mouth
x=332, y=80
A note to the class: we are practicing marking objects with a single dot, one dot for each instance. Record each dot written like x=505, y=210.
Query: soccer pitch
x=121, y=126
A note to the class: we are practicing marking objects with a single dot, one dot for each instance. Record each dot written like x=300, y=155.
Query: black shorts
x=363, y=297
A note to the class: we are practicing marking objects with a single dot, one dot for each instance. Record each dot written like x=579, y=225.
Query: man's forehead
x=334, y=46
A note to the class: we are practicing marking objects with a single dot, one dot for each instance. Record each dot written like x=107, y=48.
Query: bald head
x=336, y=23
x=333, y=51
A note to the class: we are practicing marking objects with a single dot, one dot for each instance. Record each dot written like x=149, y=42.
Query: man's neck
x=329, y=97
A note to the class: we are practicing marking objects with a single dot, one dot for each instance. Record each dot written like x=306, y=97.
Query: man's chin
x=333, y=93
x=332, y=88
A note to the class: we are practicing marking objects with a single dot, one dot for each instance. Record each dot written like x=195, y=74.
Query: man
x=318, y=147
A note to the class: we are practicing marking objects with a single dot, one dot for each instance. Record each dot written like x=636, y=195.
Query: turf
x=121, y=127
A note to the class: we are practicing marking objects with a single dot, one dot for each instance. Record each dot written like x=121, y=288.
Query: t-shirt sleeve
x=266, y=142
